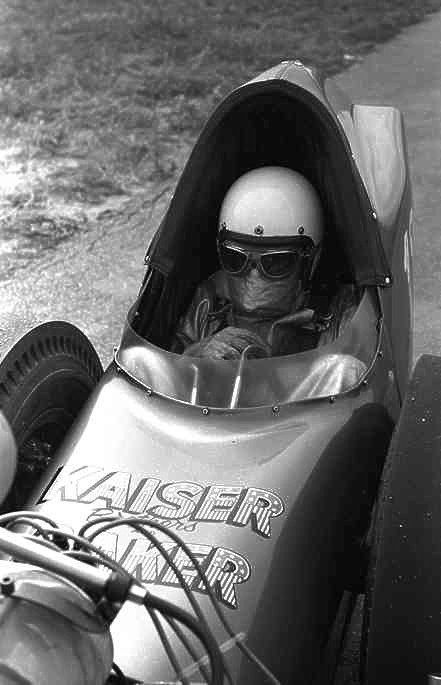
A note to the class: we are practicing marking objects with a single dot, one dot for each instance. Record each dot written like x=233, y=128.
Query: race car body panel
x=271, y=499
x=269, y=511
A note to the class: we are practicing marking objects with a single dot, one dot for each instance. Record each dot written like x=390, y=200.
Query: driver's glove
x=229, y=343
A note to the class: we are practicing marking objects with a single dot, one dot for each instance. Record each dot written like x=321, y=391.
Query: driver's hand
x=229, y=343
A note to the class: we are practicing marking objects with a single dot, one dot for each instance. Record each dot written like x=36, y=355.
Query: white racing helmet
x=272, y=202
x=271, y=218
x=269, y=241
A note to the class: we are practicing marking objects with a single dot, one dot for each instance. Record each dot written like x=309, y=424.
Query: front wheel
x=45, y=380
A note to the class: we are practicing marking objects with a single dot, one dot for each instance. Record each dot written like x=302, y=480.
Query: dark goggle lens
x=279, y=264
x=232, y=261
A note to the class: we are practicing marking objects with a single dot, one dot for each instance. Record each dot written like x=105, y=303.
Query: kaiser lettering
x=134, y=493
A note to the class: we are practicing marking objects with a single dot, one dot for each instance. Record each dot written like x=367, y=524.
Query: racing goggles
x=275, y=262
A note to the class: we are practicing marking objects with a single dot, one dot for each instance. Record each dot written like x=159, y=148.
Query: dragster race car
x=266, y=468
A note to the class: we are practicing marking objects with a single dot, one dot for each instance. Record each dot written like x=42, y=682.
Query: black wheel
x=402, y=621
x=44, y=381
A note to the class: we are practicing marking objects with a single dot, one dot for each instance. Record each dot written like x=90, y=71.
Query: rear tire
x=45, y=380
x=402, y=620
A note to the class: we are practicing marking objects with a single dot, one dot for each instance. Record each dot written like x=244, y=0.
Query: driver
x=269, y=243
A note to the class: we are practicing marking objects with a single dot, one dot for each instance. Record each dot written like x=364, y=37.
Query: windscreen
x=327, y=370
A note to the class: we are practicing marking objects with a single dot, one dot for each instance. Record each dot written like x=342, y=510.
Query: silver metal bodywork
x=270, y=498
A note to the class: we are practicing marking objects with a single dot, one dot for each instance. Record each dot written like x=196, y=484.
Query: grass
x=101, y=98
